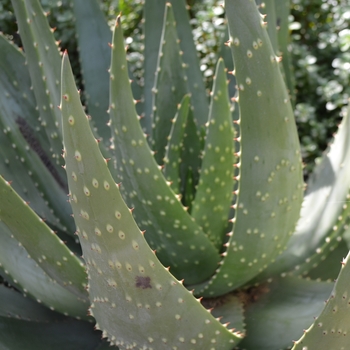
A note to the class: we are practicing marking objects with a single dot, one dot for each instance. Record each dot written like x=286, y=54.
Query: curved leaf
x=41, y=242
x=330, y=329
x=135, y=300
x=282, y=309
x=179, y=242
x=211, y=205
x=44, y=61
x=25, y=274
x=270, y=170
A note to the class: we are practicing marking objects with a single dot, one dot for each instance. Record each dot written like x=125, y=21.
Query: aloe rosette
x=190, y=227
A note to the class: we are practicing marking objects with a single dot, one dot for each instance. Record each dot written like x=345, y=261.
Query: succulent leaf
x=226, y=54
x=23, y=143
x=147, y=222
x=330, y=329
x=196, y=86
x=26, y=275
x=127, y=283
x=41, y=242
x=229, y=309
x=153, y=32
x=211, y=205
x=328, y=268
x=169, y=228
x=154, y=9
x=26, y=324
x=286, y=305
x=270, y=183
x=191, y=161
x=325, y=206
x=172, y=158
x=43, y=58
x=94, y=35
x=325, y=247
x=283, y=36
x=277, y=12
x=170, y=85
x=15, y=305
x=268, y=9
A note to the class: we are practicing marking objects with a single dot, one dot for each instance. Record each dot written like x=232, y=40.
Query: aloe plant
x=192, y=229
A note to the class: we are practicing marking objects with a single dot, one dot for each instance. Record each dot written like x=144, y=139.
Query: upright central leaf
x=179, y=242
x=214, y=191
x=153, y=11
x=170, y=85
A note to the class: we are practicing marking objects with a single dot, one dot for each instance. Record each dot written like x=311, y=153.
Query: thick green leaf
x=135, y=300
x=26, y=275
x=43, y=59
x=277, y=13
x=172, y=158
x=68, y=334
x=278, y=312
x=328, y=268
x=330, y=330
x=153, y=12
x=283, y=35
x=229, y=309
x=330, y=243
x=178, y=240
x=196, y=85
x=26, y=324
x=94, y=35
x=191, y=152
x=226, y=54
x=24, y=155
x=153, y=9
x=269, y=10
x=270, y=170
x=211, y=205
x=15, y=305
x=170, y=85
x=41, y=242
x=325, y=207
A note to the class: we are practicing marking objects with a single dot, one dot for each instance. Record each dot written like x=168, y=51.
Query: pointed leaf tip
x=118, y=20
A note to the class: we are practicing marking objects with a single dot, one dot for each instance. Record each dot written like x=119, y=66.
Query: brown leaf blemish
x=143, y=282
